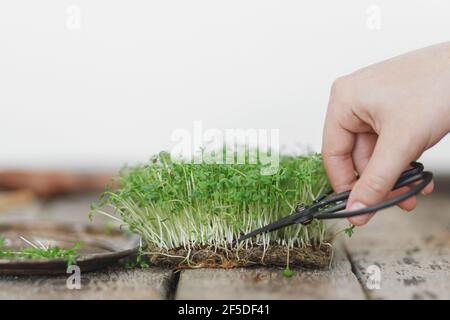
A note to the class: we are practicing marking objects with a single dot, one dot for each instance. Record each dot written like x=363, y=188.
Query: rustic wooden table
x=411, y=251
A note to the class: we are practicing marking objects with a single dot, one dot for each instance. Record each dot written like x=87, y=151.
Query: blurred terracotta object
x=11, y=199
x=50, y=183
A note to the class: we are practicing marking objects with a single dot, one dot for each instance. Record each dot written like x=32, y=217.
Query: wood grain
x=23, y=213
x=112, y=283
x=412, y=251
x=72, y=208
x=337, y=282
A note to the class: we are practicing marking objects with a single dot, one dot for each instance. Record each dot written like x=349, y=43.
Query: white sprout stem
x=110, y=216
x=29, y=242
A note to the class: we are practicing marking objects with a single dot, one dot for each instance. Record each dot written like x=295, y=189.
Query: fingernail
x=361, y=219
x=357, y=205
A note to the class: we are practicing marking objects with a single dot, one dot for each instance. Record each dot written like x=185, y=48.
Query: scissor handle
x=326, y=208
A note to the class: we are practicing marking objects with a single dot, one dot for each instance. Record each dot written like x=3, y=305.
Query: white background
x=113, y=90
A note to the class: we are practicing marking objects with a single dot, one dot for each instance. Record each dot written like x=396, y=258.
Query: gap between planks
x=113, y=283
x=408, y=252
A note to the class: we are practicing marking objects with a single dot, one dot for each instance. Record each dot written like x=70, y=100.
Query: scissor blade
x=281, y=223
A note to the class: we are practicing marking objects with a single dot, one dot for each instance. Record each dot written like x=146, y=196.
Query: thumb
x=390, y=157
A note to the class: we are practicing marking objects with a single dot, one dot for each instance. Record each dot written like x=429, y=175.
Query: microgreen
x=69, y=255
x=349, y=230
x=288, y=273
x=182, y=204
x=138, y=261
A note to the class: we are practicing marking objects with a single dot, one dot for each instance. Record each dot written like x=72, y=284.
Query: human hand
x=380, y=119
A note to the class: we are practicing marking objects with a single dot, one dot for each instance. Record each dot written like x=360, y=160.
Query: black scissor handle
x=327, y=208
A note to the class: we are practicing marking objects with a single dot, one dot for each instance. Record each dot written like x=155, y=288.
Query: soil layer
x=315, y=257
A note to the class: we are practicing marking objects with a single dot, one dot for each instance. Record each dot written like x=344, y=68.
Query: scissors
x=330, y=206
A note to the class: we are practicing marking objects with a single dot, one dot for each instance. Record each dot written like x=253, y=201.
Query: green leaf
x=69, y=255
x=349, y=230
x=288, y=273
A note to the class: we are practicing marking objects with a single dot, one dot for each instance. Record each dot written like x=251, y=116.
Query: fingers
x=337, y=146
x=390, y=157
x=408, y=204
x=428, y=189
x=337, y=158
x=364, y=145
x=350, y=143
x=361, y=219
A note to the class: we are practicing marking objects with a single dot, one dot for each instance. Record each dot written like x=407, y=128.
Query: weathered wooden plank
x=338, y=282
x=71, y=208
x=22, y=213
x=113, y=283
x=68, y=208
x=412, y=251
x=13, y=199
